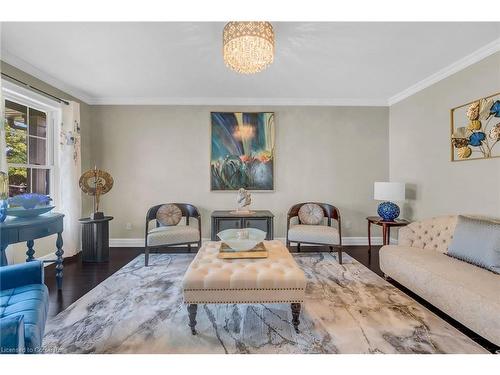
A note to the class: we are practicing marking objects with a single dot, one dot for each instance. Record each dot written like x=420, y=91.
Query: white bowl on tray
x=242, y=239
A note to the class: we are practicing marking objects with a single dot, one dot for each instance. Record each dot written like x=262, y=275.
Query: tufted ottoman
x=276, y=279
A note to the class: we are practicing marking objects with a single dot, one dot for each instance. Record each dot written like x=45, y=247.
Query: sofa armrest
x=21, y=274
x=405, y=236
x=12, y=337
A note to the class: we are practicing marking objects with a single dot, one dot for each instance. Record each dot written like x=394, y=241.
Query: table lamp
x=387, y=192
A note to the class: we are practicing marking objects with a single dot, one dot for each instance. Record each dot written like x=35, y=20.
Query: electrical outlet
x=348, y=224
x=128, y=226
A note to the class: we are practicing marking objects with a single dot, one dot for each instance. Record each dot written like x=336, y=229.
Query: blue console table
x=14, y=230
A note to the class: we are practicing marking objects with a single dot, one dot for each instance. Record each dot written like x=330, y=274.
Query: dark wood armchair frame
x=331, y=213
x=188, y=211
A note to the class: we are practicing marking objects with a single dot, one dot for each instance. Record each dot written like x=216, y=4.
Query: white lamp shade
x=389, y=191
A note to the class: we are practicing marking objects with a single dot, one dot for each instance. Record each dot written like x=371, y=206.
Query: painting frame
x=270, y=117
x=454, y=129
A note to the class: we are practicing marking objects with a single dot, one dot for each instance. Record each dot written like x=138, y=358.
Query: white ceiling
x=181, y=63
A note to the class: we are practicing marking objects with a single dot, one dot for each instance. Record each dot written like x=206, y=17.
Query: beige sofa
x=469, y=294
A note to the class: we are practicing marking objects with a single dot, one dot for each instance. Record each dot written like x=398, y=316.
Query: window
x=27, y=135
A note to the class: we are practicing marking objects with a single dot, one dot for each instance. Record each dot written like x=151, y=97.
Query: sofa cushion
x=477, y=241
x=170, y=235
x=30, y=301
x=466, y=292
x=320, y=234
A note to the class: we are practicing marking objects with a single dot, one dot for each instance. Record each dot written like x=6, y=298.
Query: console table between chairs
x=258, y=219
x=16, y=230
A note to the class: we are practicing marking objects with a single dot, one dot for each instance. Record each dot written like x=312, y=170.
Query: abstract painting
x=475, y=129
x=242, y=151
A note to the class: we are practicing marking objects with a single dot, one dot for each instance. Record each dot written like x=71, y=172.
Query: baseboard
x=347, y=241
x=126, y=242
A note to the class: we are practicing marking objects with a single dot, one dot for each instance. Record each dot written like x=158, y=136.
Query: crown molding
x=478, y=55
x=228, y=101
x=453, y=68
x=26, y=67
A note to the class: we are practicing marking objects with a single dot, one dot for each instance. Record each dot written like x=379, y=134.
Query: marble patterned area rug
x=348, y=309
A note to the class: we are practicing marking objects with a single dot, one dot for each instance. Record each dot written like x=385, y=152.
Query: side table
x=95, y=239
x=259, y=219
x=386, y=228
x=14, y=230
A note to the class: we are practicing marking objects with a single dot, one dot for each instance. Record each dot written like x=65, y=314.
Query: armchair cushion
x=30, y=302
x=311, y=214
x=171, y=235
x=12, y=337
x=320, y=234
x=169, y=214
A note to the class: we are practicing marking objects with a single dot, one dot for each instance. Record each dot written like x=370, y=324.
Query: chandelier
x=248, y=46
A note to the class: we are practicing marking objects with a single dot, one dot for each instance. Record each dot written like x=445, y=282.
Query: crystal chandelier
x=248, y=46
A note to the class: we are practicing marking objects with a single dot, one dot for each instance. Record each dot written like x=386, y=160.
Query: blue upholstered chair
x=24, y=303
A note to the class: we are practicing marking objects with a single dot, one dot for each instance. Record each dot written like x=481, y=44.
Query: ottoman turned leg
x=295, y=316
x=192, y=309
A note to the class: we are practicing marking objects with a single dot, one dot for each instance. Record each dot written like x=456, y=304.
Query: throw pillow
x=311, y=214
x=477, y=241
x=169, y=214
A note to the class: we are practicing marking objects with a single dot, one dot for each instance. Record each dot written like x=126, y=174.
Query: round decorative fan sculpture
x=96, y=182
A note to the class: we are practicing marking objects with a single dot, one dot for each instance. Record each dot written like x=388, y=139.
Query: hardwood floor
x=80, y=278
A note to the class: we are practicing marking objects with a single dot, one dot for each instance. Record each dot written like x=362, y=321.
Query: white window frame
x=52, y=109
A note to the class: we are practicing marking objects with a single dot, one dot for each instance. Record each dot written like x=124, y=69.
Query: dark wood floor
x=80, y=278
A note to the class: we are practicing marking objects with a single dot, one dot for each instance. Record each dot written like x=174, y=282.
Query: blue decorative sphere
x=388, y=211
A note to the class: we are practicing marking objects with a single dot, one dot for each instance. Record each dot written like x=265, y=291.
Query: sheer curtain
x=3, y=145
x=69, y=197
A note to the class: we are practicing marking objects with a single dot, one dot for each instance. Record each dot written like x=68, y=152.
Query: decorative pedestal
x=95, y=239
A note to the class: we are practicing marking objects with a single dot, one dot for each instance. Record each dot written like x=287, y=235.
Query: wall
x=420, y=148
x=16, y=254
x=160, y=154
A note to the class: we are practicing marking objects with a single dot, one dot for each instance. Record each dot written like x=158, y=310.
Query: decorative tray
x=258, y=252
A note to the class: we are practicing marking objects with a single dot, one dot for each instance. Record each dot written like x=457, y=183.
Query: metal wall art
x=475, y=129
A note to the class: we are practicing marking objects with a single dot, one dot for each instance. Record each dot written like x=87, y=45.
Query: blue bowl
x=22, y=212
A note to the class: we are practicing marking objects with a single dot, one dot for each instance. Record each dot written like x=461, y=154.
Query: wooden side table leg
x=369, y=237
x=59, y=261
x=383, y=234
x=295, y=316
x=30, y=252
x=388, y=237
x=192, y=310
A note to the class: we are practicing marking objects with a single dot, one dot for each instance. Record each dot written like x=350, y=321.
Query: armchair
x=23, y=308
x=320, y=234
x=161, y=236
